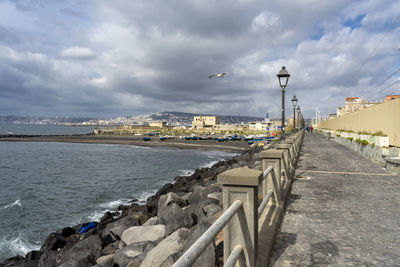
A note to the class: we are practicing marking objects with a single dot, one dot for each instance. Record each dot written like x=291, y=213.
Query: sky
x=104, y=58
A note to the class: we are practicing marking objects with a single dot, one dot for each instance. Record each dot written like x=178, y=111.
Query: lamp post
x=294, y=103
x=283, y=77
x=298, y=117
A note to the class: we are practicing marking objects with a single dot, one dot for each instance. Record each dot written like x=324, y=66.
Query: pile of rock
x=154, y=234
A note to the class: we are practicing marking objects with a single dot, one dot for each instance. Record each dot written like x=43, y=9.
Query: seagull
x=219, y=75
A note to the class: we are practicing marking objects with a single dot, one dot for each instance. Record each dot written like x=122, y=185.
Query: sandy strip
x=227, y=146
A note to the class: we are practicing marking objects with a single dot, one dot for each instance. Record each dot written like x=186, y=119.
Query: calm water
x=44, y=129
x=46, y=186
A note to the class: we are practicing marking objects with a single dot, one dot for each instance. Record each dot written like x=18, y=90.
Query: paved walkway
x=343, y=210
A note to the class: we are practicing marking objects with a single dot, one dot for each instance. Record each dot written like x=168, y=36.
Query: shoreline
x=136, y=212
x=123, y=203
x=226, y=146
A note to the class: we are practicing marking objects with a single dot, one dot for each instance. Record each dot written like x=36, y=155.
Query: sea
x=47, y=186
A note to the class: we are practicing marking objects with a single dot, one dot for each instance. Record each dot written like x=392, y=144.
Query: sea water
x=33, y=129
x=47, y=186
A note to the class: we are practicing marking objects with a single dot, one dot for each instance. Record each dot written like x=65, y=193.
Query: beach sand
x=227, y=146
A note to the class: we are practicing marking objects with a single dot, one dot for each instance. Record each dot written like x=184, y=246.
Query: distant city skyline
x=101, y=59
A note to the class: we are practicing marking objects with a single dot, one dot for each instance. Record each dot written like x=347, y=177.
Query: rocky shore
x=154, y=234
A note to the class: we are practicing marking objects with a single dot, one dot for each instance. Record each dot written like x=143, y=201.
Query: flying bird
x=219, y=75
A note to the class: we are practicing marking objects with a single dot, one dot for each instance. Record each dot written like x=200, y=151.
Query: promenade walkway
x=343, y=210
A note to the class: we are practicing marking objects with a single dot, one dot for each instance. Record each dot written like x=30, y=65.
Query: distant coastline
x=227, y=146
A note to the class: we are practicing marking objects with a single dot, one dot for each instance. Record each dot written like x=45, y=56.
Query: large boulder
x=142, y=233
x=211, y=209
x=134, y=253
x=75, y=263
x=53, y=241
x=83, y=253
x=118, y=227
x=67, y=232
x=48, y=258
x=168, y=247
x=201, y=199
x=106, y=261
x=217, y=196
x=213, y=188
x=151, y=221
x=167, y=200
x=110, y=238
x=111, y=248
x=181, y=184
x=174, y=218
x=13, y=261
x=152, y=201
x=207, y=258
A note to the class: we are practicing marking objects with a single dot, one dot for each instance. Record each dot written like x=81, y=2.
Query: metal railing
x=190, y=256
x=240, y=187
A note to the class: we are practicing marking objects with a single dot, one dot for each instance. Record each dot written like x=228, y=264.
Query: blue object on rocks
x=86, y=228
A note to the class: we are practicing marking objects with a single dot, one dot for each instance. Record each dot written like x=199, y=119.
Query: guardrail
x=246, y=224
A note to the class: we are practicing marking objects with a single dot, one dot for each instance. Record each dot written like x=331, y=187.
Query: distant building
x=158, y=124
x=231, y=127
x=391, y=97
x=205, y=122
x=267, y=119
x=353, y=104
x=258, y=126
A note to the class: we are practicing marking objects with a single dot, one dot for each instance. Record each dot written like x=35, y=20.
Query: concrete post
x=287, y=158
x=272, y=157
x=241, y=184
x=293, y=149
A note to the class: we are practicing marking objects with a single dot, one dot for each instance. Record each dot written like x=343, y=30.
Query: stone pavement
x=343, y=210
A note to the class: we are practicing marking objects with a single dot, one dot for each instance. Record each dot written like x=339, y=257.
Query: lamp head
x=294, y=101
x=283, y=77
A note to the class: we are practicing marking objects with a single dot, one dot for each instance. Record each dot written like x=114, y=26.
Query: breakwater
x=179, y=211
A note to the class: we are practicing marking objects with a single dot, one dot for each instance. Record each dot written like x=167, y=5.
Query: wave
x=95, y=216
x=145, y=195
x=16, y=203
x=115, y=203
x=18, y=245
x=107, y=206
x=210, y=164
x=185, y=172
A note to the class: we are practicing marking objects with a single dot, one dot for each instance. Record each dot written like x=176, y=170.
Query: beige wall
x=383, y=117
x=159, y=124
x=205, y=121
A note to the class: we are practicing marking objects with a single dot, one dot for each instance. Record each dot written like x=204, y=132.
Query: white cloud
x=77, y=52
x=265, y=21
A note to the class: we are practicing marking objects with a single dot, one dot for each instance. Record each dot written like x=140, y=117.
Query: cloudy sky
x=124, y=57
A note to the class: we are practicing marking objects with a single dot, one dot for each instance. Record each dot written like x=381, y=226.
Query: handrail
x=264, y=202
x=236, y=253
x=267, y=171
x=266, y=198
x=285, y=167
x=191, y=255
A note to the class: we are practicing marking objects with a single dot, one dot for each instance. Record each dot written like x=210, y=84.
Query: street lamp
x=294, y=103
x=298, y=116
x=283, y=77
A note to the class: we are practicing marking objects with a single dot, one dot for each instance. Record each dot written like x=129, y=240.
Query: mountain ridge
x=171, y=117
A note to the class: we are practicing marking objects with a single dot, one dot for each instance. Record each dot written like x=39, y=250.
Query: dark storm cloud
x=128, y=57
